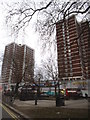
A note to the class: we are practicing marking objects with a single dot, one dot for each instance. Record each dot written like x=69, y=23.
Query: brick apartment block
x=73, y=47
x=18, y=63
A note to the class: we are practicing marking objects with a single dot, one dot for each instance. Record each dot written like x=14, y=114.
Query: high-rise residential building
x=18, y=64
x=73, y=40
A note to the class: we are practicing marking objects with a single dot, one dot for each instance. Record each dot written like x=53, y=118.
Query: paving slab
x=82, y=104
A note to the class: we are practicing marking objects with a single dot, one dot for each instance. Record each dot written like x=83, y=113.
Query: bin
x=60, y=101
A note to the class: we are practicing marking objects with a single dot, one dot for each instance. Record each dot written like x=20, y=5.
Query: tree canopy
x=45, y=15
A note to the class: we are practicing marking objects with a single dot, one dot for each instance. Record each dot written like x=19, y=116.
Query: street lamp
x=35, y=96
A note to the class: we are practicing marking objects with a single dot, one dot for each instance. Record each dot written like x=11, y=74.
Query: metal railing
x=7, y=99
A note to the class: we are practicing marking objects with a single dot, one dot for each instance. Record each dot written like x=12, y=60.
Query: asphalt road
x=6, y=113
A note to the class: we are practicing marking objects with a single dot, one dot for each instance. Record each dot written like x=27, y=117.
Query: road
x=6, y=113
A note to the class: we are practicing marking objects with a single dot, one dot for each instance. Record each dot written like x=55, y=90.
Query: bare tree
x=47, y=13
x=38, y=76
x=50, y=70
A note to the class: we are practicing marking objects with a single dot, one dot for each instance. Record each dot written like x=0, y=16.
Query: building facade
x=18, y=64
x=73, y=40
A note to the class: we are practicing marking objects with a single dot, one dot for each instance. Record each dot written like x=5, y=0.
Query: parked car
x=73, y=93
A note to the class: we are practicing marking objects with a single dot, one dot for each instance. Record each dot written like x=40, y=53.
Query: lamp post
x=35, y=96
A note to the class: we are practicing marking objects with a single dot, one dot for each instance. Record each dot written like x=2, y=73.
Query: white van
x=86, y=92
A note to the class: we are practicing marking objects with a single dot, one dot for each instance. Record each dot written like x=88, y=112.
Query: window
x=66, y=70
x=64, y=48
x=66, y=74
x=68, y=47
x=64, y=41
x=68, y=43
x=65, y=55
x=64, y=51
x=69, y=54
x=67, y=38
x=65, y=62
x=70, y=61
x=63, y=26
x=70, y=58
x=69, y=50
x=71, y=69
x=71, y=74
x=70, y=65
x=66, y=66
x=65, y=58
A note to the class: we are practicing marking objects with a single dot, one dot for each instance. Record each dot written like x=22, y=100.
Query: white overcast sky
x=30, y=38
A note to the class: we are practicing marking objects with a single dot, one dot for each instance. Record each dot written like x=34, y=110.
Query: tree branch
x=82, y=12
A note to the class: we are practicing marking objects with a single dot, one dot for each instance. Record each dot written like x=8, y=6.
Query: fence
x=7, y=99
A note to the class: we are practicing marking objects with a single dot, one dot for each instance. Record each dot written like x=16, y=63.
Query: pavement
x=80, y=104
x=47, y=109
